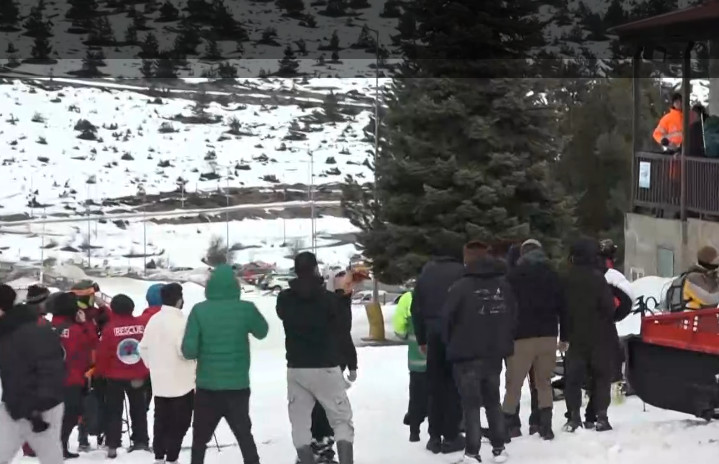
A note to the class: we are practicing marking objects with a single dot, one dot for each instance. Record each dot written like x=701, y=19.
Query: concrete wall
x=645, y=235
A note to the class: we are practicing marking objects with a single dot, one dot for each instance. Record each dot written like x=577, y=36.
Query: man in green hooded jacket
x=417, y=361
x=217, y=336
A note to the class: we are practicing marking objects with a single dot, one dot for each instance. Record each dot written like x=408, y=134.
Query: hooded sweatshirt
x=171, y=374
x=217, y=334
x=313, y=323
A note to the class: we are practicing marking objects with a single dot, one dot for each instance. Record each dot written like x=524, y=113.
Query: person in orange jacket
x=668, y=132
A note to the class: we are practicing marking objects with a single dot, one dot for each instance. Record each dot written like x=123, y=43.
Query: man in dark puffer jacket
x=32, y=374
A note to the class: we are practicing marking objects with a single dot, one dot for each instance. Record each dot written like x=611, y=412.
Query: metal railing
x=657, y=183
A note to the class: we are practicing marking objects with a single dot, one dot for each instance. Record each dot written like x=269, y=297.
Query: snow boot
x=414, y=435
x=499, y=455
x=66, y=454
x=111, y=453
x=513, y=431
x=345, y=452
x=574, y=422
x=453, y=446
x=603, y=424
x=545, y=424
x=535, y=421
x=305, y=455
x=589, y=425
x=471, y=459
x=139, y=447
x=434, y=445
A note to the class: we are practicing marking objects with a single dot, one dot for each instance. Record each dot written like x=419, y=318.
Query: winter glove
x=37, y=422
x=352, y=376
x=665, y=142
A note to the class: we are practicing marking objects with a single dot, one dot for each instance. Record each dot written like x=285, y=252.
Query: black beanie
x=7, y=297
x=65, y=304
x=171, y=294
x=122, y=304
x=36, y=294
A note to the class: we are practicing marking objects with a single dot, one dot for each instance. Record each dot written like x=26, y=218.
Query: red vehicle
x=674, y=363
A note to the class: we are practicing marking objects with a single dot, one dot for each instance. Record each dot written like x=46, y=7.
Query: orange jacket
x=670, y=127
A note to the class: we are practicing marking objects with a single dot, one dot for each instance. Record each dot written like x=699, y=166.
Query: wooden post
x=636, y=110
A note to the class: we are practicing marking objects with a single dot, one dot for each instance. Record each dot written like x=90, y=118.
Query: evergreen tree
x=227, y=70
x=139, y=21
x=81, y=9
x=148, y=68
x=331, y=108
x=101, y=33
x=615, y=14
x=212, y=51
x=168, y=12
x=391, y=9
x=288, y=64
x=366, y=40
x=165, y=66
x=94, y=58
x=202, y=101
x=9, y=15
x=188, y=39
x=224, y=24
x=293, y=8
x=41, y=48
x=335, y=8
x=463, y=155
x=131, y=35
x=12, y=58
x=359, y=4
x=36, y=25
x=150, y=47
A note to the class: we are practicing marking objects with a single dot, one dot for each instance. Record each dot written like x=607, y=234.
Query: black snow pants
x=172, y=421
x=445, y=409
x=596, y=362
x=212, y=406
x=418, y=400
x=478, y=383
x=137, y=399
x=73, y=397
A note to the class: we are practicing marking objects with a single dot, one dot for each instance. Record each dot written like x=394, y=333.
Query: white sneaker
x=500, y=456
x=467, y=459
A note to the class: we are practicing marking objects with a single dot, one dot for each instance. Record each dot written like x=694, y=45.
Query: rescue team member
x=119, y=361
x=79, y=340
x=669, y=130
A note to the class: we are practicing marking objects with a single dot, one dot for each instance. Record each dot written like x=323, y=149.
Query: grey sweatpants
x=46, y=445
x=326, y=386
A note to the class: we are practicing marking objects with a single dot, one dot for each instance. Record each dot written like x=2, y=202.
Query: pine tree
x=227, y=70
x=391, y=9
x=288, y=64
x=94, y=58
x=365, y=40
x=36, y=25
x=615, y=14
x=9, y=15
x=41, y=48
x=148, y=68
x=150, y=47
x=82, y=9
x=471, y=155
x=202, y=101
x=224, y=24
x=331, y=108
x=168, y=12
x=188, y=39
x=101, y=32
x=212, y=51
x=293, y=8
x=11, y=51
x=165, y=66
x=131, y=35
x=335, y=8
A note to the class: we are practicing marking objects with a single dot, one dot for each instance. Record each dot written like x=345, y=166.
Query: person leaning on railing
x=668, y=132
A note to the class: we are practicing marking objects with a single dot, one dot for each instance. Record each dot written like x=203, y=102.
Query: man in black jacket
x=315, y=330
x=339, y=282
x=430, y=296
x=32, y=373
x=479, y=319
x=592, y=334
x=540, y=310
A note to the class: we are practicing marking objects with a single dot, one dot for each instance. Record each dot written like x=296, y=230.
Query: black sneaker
x=68, y=455
x=471, y=459
x=499, y=455
x=603, y=425
x=453, y=446
x=434, y=445
x=139, y=447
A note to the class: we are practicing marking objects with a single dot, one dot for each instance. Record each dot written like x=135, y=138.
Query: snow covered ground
x=379, y=400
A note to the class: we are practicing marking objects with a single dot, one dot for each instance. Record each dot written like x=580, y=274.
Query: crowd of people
x=68, y=360
x=473, y=313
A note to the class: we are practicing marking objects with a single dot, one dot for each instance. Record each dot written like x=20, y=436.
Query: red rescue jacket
x=79, y=342
x=118, y=355
x=148, y=313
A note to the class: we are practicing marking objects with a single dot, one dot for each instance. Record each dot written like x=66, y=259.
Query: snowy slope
x=379, y=400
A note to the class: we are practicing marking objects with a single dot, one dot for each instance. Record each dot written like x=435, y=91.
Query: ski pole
x=217, y=443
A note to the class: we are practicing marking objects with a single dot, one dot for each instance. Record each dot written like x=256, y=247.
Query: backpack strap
x=676, y=302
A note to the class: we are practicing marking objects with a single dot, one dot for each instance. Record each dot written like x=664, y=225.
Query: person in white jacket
x=172, y=376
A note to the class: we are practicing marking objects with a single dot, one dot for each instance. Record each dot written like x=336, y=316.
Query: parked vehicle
x=279, y=282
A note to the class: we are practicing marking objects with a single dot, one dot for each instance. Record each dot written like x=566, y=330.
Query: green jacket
x=404, y=329
x=217, y=334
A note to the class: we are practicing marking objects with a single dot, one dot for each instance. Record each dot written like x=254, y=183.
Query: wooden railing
x=657, y=183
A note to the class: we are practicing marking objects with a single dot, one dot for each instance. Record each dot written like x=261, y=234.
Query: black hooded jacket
x=318, y=326
x=32, y=369
x=589, y=300
x=430, y=295
x=540, y=298
x=480, y=314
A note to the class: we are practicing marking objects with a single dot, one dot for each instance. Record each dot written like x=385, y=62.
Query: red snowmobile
x=674, y=363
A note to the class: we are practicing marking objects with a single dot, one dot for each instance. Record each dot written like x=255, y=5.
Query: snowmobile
x=674, y=363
